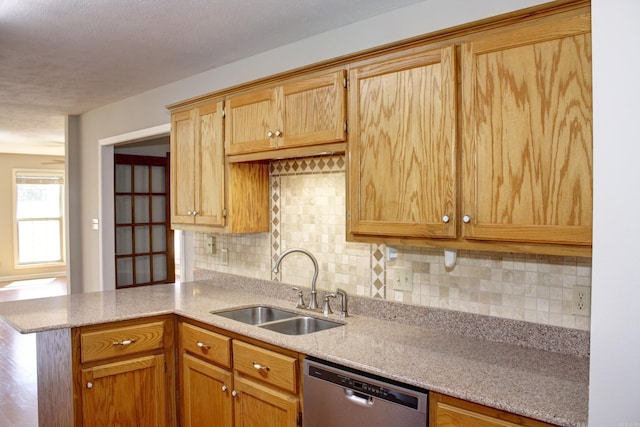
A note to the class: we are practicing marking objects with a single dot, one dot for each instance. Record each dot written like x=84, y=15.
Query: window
x=39, y=208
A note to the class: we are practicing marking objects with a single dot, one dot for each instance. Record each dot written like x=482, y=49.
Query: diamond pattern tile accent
x=378, y=271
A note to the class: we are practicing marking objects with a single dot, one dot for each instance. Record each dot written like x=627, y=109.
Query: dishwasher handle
x=358, y=399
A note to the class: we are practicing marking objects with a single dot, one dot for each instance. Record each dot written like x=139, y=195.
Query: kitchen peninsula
x=527, y=380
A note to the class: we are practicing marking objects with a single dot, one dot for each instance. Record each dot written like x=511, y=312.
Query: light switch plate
x=403, y=279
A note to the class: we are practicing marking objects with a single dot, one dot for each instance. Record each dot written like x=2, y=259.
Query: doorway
x=143, y=237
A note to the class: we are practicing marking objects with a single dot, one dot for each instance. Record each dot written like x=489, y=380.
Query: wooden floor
x=18, y=385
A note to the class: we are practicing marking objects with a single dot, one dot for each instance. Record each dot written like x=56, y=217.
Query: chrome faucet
x=313, y=300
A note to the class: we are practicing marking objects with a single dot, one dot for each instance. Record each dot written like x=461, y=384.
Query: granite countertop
x=544, y=385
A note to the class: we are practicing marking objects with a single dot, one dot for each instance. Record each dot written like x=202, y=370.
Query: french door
x=144, y=239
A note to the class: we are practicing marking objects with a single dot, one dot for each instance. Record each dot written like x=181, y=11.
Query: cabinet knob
x=234, y=393
x=195, y=213
x=225, y=388
x=259, y=367
x=466, y=219
x=270, y=134
x=89, y=385
x=124, y=342
x=445, y=219
x=203, y=346
x=278, y=133
x=190, y=213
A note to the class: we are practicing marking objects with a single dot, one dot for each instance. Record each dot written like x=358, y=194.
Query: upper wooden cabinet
x=302, y=113
x=402, y=145
x=207, y=193
x=527, y=139
x=197, y=157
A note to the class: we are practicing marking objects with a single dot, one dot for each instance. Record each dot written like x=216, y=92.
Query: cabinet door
x=183, y=167
x=527, y=153
x=257, y=405
x=402, y=148
x=127, y=393
x=252, y=121
x=206, y=397
x=446, y=411
x=210, y=164
x=313, y=110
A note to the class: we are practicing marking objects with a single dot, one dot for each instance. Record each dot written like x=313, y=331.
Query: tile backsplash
x=308, y=211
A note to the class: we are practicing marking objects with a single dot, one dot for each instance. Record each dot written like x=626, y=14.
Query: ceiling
x=62, y=57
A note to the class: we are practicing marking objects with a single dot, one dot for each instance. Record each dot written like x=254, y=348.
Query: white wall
x=615, y=318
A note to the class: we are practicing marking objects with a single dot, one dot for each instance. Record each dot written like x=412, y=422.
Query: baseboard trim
x=32, y=276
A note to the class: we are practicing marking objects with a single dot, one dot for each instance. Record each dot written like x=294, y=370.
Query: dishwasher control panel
x=367, y=386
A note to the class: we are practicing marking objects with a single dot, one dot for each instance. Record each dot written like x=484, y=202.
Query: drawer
x=266, y=365
x=119, y=341
x=206, y=344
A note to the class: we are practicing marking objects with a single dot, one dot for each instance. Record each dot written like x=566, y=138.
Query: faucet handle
x=326, y=308
x=300, y=303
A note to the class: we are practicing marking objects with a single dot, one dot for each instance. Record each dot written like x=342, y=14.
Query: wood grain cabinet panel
x=298, y=114
x=527, y=153
x=121, y=341
x=123, y=374
x=256, y=388
x=206, y=394
x=446, y=411
x=198, y=166
x=258, y=405
x=402, y=146
x=127, y=393
x=208, y=193
x=265, y=365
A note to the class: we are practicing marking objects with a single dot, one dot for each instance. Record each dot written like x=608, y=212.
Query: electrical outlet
x=211, y=245
x=403, y=279
x=225, y=256
x=582, y=300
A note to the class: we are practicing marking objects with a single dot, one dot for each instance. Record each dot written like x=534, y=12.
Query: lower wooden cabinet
x=124, y=373
x=447, y=411
x=258, y=405
x=127, y=393
x=206, y=394
x=258, y=387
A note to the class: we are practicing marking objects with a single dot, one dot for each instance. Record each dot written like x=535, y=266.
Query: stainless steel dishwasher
x=335, y=396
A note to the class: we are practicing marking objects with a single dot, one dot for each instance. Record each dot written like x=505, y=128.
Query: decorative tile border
x=378, y=272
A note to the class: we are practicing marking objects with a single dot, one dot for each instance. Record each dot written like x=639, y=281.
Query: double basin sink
x=274, y=319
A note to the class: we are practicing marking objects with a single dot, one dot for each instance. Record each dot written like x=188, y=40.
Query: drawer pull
x=259, y=367
x=124, y=342
x=203, y=345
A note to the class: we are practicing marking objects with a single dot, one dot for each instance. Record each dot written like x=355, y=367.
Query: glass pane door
x=144, y=239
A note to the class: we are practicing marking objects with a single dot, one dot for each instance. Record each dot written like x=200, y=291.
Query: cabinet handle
x=278, y=133
x=445, y=219
x=225, y=388
x=190, y=213
x=234, y=393
x=270, y=134
x=124, y=342
x=195, y=213
x=203, y=345
x=466, y=219
x=259, y=367
x=89, y=385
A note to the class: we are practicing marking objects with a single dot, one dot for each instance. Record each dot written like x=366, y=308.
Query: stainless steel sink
x=273, y=319
x=300, y=325
x=255, y=315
